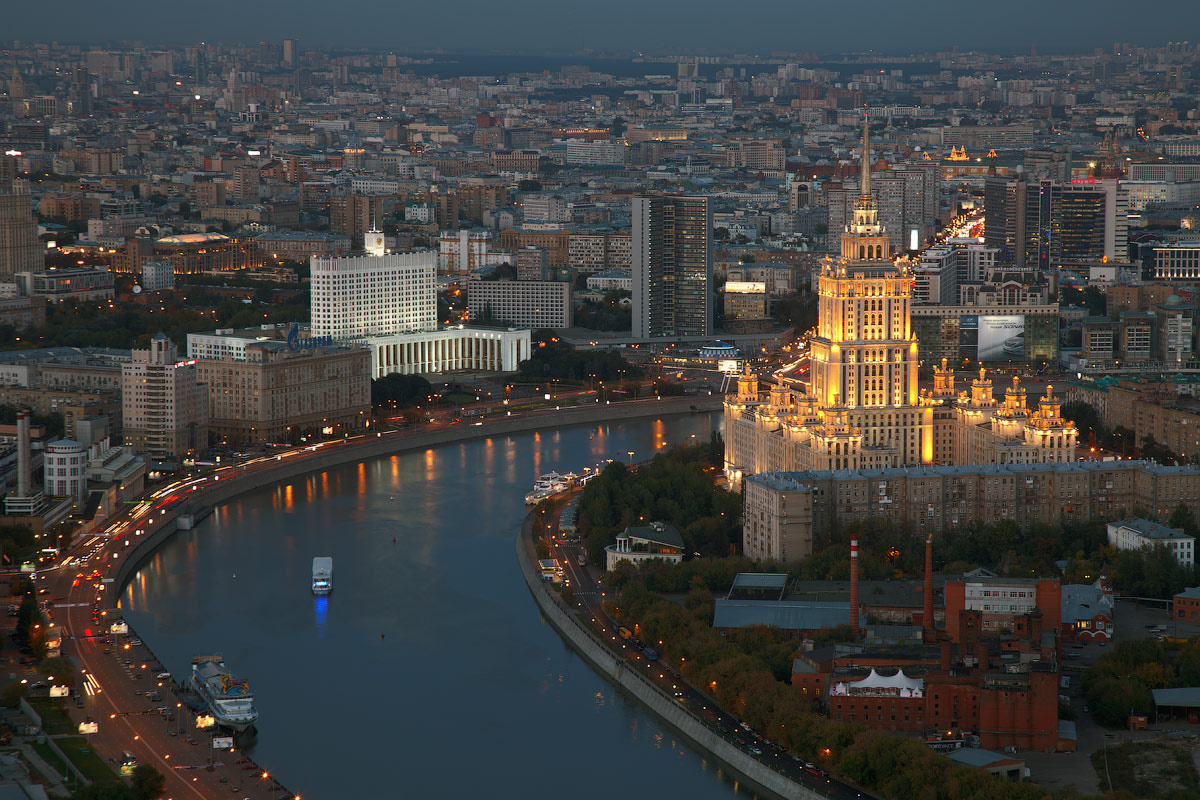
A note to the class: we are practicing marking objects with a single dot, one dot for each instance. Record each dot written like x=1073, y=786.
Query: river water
x=428, y=672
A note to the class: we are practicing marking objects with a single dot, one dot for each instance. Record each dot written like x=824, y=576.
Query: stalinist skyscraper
x=863, y=408
x=864, y=356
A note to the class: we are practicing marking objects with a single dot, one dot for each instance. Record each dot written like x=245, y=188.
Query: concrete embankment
x=748, y=769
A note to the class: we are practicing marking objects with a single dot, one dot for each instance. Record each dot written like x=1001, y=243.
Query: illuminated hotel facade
x=863, y=408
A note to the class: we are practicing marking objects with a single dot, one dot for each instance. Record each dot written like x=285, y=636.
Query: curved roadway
x=137, y=712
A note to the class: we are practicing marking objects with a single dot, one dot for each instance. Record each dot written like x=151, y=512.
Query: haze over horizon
x=753, y=26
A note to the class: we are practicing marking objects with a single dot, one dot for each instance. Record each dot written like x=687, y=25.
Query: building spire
x=865, y=183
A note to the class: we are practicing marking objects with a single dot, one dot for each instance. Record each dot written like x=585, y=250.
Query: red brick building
x=1002, y=600
x=1003, y=688
x=1186, y=604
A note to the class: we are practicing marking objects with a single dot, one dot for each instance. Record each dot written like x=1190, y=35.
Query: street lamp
x=630, y=452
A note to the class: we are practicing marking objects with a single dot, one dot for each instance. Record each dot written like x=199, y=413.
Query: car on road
x=755, y=750
x=135, y=642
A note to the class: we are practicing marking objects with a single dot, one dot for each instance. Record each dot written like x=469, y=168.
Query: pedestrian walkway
x=57, y=787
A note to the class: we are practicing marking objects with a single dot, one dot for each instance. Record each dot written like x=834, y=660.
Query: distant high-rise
x=80, y=94
x=20, y=249
x=291, y=49
x=672, y=266
x=1038, y=224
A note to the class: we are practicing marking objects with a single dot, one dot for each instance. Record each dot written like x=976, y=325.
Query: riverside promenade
x=123, y=707
x=694, y=716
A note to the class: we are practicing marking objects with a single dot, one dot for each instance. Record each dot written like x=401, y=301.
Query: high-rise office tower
x=291, y=51
x=1040, y=224
x=8, y=173
x=20, y=249
x=80, y=94
x=672, y=266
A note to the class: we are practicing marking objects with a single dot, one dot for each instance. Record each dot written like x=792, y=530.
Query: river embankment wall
x=731, y=757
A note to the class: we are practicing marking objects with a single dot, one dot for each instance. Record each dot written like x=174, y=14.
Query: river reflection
x=428, y=671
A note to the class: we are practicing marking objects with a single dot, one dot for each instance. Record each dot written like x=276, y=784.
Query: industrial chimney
x=24, y=457
x=854, y=588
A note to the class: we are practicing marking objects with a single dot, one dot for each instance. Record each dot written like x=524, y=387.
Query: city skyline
x=809, y=27
x=891, y=357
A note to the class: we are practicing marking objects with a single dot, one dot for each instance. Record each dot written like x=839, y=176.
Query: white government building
x=387, y=302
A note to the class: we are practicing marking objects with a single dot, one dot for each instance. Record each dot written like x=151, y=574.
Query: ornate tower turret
x=747, y=386
x=943, y=381
x=1048, y=430
x=865, y=239
x=981, y=391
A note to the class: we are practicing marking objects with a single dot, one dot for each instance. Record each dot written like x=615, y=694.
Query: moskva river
x=428, y=671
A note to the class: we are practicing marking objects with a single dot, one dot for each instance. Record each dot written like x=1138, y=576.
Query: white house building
x=1133, y=534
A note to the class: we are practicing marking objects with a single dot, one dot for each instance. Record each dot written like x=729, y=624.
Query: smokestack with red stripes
x=854, y=588
x=927, y=617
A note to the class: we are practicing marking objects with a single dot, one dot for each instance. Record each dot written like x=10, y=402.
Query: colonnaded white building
x=388, y=303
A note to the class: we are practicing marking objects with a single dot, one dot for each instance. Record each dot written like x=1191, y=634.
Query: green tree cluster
x=1094, y=431
x=554, y=358
x=891, y=550
x=17, y=545
x=666, y=388
x=606, y=315
x=89, y=324
x=1119, y=682
x=146, y=783
x=676, y=487
x=30, y=630
x=399, y=391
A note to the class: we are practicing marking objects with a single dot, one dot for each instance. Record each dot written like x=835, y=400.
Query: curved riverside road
x=146, y=526
x=661, y=689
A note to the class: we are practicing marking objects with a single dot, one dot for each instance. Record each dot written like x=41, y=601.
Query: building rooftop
x=657, y=532
x=1084, y=601
x=193, y=238
x=1149, y=530
x=758, y=586
x=798, y=480
x=784, y=614
x=1182, y=697
x=307, y=236
x=891, y=594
